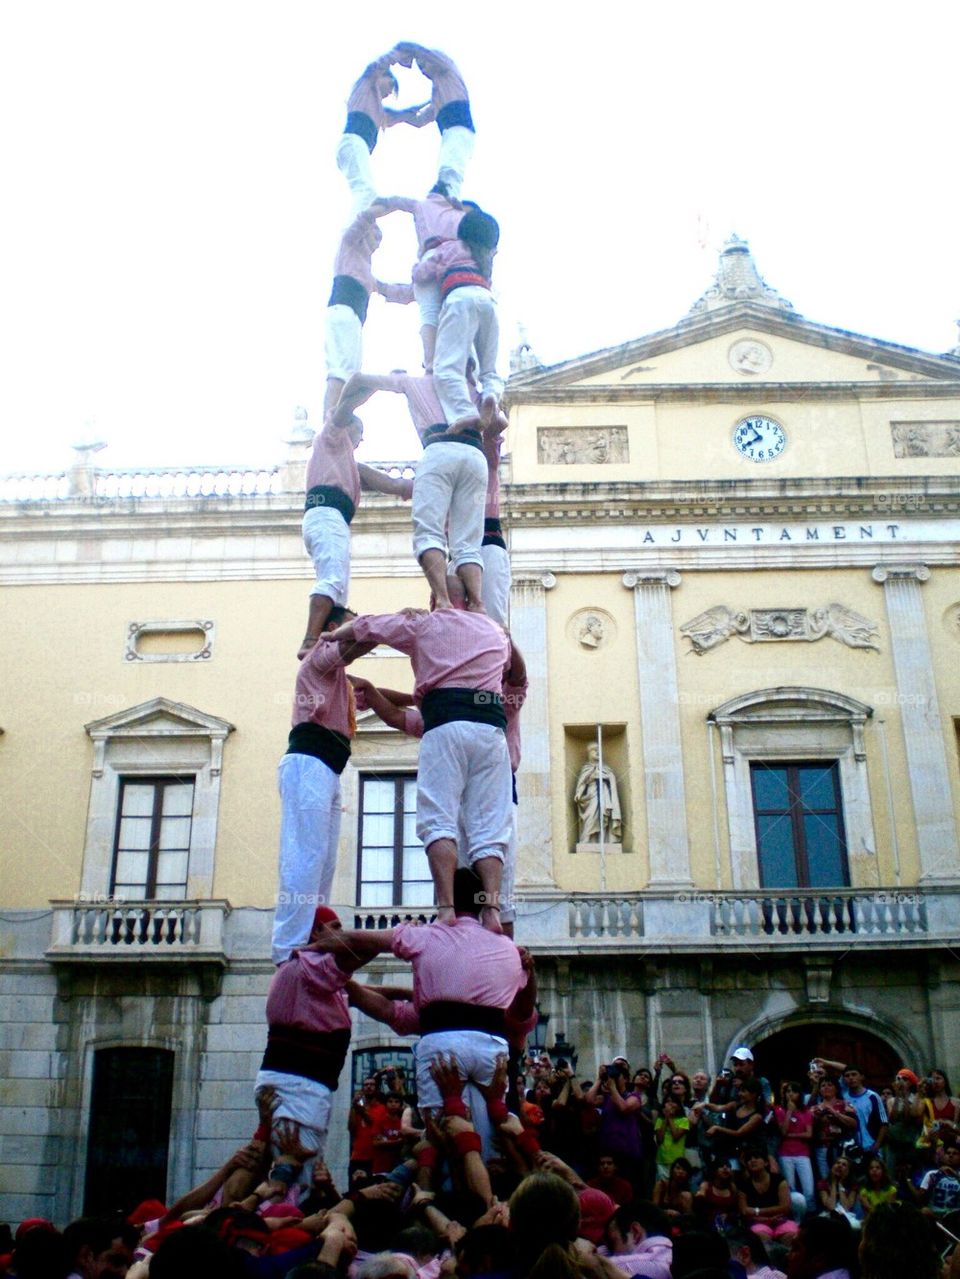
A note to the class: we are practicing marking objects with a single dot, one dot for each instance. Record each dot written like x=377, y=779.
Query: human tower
x=468, y=979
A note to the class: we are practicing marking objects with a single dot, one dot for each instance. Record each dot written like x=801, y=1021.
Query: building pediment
x=743, y=344
x=159, y=717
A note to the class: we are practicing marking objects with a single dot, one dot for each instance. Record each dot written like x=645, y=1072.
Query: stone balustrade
x=154, y=930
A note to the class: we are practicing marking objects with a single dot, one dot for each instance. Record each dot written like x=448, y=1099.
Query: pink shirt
x=448, y=85
x=421, y=397
x=450, y=648
x=492, y=445
x=461, y=961
x=354, y=258
x=448, y=255
x=652, y=1258
x=364, y=96
x=323, y=693
x=802, y=1121
x=404, y=1018
x=332, y=462
x=307, y=992
x=434, y=218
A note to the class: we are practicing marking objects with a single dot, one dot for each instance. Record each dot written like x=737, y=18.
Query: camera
x=614, y=1071
x=562, y=1063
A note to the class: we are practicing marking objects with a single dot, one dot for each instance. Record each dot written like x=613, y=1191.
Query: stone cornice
x=743, y=315
x=730, y=392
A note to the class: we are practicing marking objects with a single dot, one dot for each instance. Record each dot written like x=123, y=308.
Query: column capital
x=900, y=572
x=546, y=581
x=651, y=577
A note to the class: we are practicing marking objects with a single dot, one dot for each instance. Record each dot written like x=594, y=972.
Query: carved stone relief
x=591, y=628
x=926, y=439
x=756, y=626
x=586, y=445
x=750, y=356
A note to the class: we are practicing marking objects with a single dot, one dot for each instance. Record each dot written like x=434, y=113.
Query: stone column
x=922, y=726
x=528, y=626
x=667, y=843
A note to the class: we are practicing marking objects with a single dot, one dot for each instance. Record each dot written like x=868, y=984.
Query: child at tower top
x=449, y=106
x=366, y=116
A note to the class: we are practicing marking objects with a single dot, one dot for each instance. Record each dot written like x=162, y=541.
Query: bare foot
x=445, y=915
x=463, y=424
x=475, y=606
x=490, y=919
x=441, y=603
x=308, y=642
x=488, y=410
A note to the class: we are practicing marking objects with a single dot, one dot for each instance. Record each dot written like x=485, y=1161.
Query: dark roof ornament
x=737, y=280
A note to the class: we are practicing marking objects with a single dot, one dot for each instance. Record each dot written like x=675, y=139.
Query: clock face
x=759, y=439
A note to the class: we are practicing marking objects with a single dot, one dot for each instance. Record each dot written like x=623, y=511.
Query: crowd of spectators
x=636, y=1171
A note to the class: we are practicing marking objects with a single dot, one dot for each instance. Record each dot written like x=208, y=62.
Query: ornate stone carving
x=584, y=445
x=203, y=630
x=749, y=356
x=925, y=439
x=591, y=628
x=716, y=625
x=597, y=801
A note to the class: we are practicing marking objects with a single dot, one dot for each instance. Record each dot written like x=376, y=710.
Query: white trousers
x=307, y=1103
x=496, y=582
x=309, y=833
x=464, y=790
x=427, y=297
x=449, y=494
x=468, y=318
x=476, y=1053
x=508, y=907
x=456, y=148
x=353, y=161
x=343, y=341
x=326, y=535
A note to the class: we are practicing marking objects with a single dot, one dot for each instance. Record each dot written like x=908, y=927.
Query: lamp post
x=562, y=1048
x=538, y=1036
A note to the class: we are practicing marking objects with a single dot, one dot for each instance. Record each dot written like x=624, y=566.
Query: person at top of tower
x=366, y=116
x=449, y=106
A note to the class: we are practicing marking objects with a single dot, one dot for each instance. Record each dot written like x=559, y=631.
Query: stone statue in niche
x=598, y=802
x=591, y=631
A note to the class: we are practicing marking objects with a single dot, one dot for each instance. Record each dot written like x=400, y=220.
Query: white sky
x=171, y=203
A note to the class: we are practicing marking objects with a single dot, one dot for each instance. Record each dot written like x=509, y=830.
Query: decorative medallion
x=750, y=356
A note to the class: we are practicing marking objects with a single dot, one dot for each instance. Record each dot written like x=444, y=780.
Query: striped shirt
x=323, y=694
x=307, y=992
x=461, y=962
x=450, y=648
x=421, y=397
x=332, y=462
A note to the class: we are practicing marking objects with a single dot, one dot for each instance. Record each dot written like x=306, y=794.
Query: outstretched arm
x=380, y=482
x=382, y=705
x=372, y=1001
x=358, y=389
x=353, y=947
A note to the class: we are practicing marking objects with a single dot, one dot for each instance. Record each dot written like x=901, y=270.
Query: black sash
x=493, y=532
x=440, y=435
x=317, y=1054
x=455, y=113
x=325, y=744
x=330, y=495
x=448, y=1014
x=475, y=706
x=349, y=292
x=359, y=122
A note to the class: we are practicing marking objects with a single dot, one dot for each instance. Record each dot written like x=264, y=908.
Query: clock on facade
x=759, y=439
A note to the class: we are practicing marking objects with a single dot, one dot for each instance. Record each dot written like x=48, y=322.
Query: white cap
x=741, y=1054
